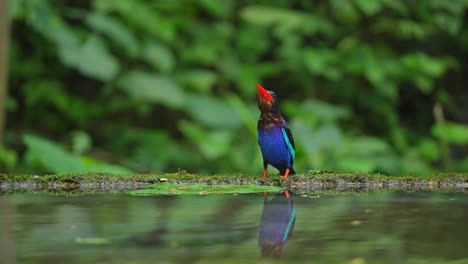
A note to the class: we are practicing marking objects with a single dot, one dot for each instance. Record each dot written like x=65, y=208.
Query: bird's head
x=267, y=100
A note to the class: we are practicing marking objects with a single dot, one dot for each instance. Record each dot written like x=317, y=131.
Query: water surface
x=385, y=227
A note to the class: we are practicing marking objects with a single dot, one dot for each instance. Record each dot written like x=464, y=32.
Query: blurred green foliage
x=161, y=85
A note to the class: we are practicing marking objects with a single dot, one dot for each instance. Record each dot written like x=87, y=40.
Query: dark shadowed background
x=156, y=86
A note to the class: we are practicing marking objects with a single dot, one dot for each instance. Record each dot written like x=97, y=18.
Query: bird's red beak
x=264, y=94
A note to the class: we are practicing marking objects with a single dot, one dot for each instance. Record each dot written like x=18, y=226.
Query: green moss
x=185, y=176
x=148, y=178
x=358, y=177
x=309, y=180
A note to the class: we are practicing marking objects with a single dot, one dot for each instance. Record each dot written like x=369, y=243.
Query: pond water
x=356, y=228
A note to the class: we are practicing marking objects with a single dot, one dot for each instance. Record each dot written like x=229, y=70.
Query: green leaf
x=217, y=8
x=429, y=149
x=46, y=92
x=450, y=132
x=265, y=15
x=204, y=189
x=141, y=17
x=212, y=111
x=431, y=66
x=200, y=80
x=247, y=113
x=153, y=88
x=148, y=149
x=285, y=19
x=404, y=28
x=423, y=69
x=345, y=11
x=323, y=62
x=52, y=157
x=92, y=59
x=42, y=17
x=366, y=146
x=305, y=139
x=159, y=56
x=399, y=6
x=212, y=144
x=114, y=29
x=369, y=7
x=448, y=15
x=317, y=109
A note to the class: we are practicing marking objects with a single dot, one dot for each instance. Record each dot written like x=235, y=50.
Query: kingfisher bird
x=277, y=223
x=274, y=136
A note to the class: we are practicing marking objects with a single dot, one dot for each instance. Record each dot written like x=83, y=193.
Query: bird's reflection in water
x=277, y=223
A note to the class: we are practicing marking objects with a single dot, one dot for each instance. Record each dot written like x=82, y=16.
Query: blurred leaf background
x=155, y=86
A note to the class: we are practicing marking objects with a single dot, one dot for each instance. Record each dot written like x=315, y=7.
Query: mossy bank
x=305, y=182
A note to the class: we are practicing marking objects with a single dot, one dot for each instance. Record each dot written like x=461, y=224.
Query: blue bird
x=274, y=136
x=277, y=224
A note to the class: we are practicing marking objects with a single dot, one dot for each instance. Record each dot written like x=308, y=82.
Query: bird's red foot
x=264, y=173
x=286, y=174
x=286, y=193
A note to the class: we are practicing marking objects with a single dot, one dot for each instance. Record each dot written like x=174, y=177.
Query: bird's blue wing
x=292, y=217
x=289, y=141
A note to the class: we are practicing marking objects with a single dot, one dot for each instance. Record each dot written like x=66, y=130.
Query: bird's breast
x=273, y=146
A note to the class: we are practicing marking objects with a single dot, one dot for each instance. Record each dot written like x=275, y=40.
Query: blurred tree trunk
x=7, y=230
x=4, y=41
